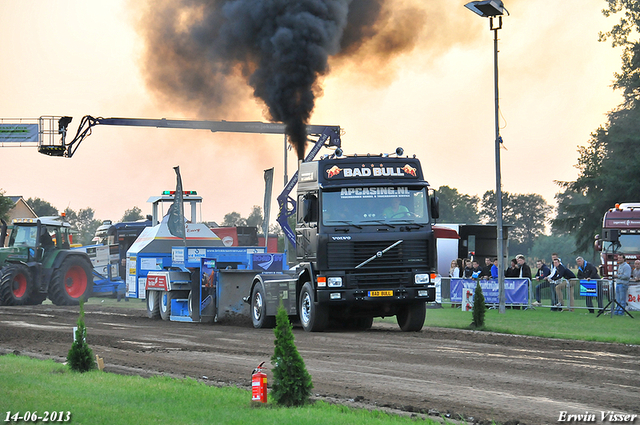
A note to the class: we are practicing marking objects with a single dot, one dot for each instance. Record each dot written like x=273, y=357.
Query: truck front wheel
x=71, y=282
x=313, y=317
x=16, y=285
x=259, y=309
x=411, y=317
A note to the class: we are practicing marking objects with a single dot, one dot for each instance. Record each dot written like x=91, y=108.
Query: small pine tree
x=80, y=357
x=478, y=307
x=291, y=381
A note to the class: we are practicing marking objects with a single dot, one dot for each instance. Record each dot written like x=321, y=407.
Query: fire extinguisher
x=259, y=384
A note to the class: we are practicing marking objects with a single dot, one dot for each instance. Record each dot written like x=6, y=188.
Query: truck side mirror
x=435, y=207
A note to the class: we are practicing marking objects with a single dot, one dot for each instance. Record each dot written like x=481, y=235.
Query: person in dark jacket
x=486, y=270
x=541, y=275
x=513, y=270
x=523, y=268
x=468, y=269
x=588, y=271
x=562, y=273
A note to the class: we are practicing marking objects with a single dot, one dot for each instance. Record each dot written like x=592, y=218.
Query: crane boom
x=328, y=136
x=67, y=149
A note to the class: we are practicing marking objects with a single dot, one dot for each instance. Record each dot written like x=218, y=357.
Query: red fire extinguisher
x=259, y=384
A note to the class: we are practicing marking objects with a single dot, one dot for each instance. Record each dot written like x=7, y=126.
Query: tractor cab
x=38, y=237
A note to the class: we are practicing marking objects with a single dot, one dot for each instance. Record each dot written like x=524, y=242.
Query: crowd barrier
x=520, y=293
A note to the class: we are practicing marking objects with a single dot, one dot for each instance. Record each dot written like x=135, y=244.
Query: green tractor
x=38, y=262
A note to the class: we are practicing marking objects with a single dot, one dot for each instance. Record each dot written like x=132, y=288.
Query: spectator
x=552, y=284
x=468, y=269
x=494, y=269
x=622, y=276
x=454, y=271
x=486, y=270
x=562, y=274
x=588, y=271
x=513, y=270
x=477, y=270
x=523, y=268
x=541, y=275
x=635, y=274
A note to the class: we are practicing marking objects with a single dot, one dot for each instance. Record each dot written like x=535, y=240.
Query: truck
x=365, y=248
x=38, y=262
x=620, y=235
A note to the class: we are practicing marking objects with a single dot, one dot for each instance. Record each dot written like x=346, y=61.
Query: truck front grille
x=373, y=280
x=346, y=255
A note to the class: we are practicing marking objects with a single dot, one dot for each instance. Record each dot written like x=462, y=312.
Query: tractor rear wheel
x=16, y=285
x=71, y=282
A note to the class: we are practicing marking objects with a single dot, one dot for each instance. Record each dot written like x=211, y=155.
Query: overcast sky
x=81, y=58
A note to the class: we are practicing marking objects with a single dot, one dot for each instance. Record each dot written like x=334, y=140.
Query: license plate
x=381, y=293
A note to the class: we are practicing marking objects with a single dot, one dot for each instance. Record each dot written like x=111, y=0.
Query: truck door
x=307, y=227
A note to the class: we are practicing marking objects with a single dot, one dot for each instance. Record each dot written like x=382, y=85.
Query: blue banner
x=516, y=290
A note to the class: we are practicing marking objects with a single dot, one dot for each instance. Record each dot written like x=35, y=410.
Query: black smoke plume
x=201, y=53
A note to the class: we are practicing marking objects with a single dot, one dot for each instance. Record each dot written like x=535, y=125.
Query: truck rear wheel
x=71, y=282
x=165, y=304
x=16, y=285
x=411, y=317
x=361, y=323
x=259, y=309
x=313, y=317
x=153, y=304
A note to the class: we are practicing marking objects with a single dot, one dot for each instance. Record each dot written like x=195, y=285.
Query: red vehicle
x=621, y=223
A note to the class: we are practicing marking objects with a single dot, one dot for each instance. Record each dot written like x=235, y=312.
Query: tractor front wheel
x=16, y=285
x=71, y=282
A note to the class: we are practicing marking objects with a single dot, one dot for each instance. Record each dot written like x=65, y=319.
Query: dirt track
x=462, y=373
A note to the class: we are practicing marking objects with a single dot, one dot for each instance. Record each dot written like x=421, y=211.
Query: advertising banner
x=633, y=298
x=588, y=288
x=516, y=290
x=18, y=133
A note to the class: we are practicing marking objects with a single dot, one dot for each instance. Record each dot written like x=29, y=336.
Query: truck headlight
x=334, y=282
x=421, y=279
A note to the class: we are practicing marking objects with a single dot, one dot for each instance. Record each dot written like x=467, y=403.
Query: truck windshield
x=629, y=244
x=375, y=205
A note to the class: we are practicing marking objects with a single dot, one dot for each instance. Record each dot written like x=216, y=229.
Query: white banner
x=18, y=133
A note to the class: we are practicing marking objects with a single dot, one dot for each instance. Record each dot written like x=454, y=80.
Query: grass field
x=542, y=322
x=96, y=398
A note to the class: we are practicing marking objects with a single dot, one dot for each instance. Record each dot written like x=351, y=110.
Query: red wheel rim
x=19, y=285
x=75, y=282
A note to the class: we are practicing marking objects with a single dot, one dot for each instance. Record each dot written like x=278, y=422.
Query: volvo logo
x=341, y=238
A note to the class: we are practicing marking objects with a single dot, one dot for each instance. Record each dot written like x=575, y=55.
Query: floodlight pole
x=500, y=238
